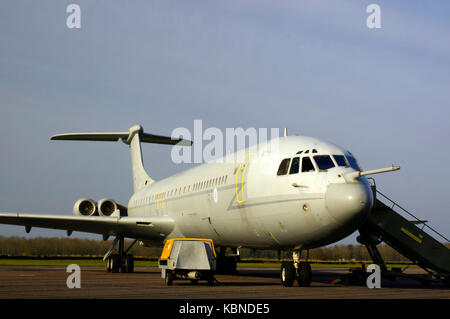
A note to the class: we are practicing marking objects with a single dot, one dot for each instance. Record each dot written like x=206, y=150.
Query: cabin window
x=340, y=160
x=295, y=166
x=324, y=162
x=307, y=165
x=284, y=166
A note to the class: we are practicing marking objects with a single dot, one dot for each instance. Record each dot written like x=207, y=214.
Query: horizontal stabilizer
x=126, y=137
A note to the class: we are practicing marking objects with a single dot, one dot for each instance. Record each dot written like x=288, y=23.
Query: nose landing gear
x=300, y=270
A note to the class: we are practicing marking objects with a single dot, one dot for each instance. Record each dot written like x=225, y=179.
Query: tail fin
x=133, y=137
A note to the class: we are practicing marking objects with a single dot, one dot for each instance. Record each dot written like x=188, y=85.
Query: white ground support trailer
x=193, y=259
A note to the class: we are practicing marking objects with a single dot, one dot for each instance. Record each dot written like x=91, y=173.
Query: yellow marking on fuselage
x=274, y=238
x=245, y=162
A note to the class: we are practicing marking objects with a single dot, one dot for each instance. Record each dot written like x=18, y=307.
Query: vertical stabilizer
x=133, y=137
x=140, y=176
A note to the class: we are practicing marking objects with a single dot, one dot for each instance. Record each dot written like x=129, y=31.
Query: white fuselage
x=240, y=201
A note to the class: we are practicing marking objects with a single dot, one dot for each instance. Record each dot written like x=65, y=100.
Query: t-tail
x=133, y=138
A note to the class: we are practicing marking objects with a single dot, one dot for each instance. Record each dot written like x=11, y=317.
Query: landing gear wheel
x=226, y=265
x=304, y=274
x=287, y=275
x=169, y=278
x=115, y=263
x=129, y=263
x=108, y=264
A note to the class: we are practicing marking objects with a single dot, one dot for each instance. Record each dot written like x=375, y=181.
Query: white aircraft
x=302, y=194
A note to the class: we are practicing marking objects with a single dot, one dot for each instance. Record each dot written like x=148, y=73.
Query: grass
x=153, y=263
x=66, y=262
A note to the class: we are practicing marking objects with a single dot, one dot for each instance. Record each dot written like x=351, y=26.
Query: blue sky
x=311, y=66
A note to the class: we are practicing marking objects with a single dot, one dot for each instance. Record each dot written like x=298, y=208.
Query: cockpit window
x=353, y=163
x=295, y=166
x=340, y=160
x=299, y=152
x=307, y=165
x=324, y=162
x=284, y=166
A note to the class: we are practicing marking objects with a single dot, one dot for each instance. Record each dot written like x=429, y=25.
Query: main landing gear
x=300, y=270
x=227, y=265
x=121, y=261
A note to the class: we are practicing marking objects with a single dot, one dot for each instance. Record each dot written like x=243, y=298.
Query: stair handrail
x=403, y=209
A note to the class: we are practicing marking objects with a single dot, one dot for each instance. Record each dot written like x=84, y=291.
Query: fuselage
x=288, y=193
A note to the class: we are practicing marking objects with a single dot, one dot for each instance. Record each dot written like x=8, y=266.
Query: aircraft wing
x=149, y=228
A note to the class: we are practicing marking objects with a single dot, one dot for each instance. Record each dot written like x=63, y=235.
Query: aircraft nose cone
x=349, y=203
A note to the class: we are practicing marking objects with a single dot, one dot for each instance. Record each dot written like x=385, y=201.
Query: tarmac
x=39, y=282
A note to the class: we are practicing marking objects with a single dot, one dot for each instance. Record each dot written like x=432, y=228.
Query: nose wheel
x=304, y=274
x=287, y=274
x=296, y=270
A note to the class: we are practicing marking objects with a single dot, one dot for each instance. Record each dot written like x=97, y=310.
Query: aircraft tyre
x=129, y=263
x=226, y=265
x=287, y=274
x=108, y=264
x=115, y=263
x=304, y=274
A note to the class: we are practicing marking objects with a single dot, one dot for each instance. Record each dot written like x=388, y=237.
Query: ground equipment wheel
x=287, y=275
x=169, y=278
x=210, y=279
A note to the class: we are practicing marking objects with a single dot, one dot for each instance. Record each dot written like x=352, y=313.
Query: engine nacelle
x=85, y=207
x=106, y=207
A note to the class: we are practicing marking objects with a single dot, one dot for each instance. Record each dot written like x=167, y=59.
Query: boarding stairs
x=411, y=238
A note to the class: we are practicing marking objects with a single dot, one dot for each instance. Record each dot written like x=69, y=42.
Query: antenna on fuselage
x=285, y=131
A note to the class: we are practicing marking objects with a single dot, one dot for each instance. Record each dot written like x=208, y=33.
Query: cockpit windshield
x=340, y=160
x=324, y=162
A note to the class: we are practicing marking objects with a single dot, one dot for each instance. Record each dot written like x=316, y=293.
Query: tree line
x=56, y=246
